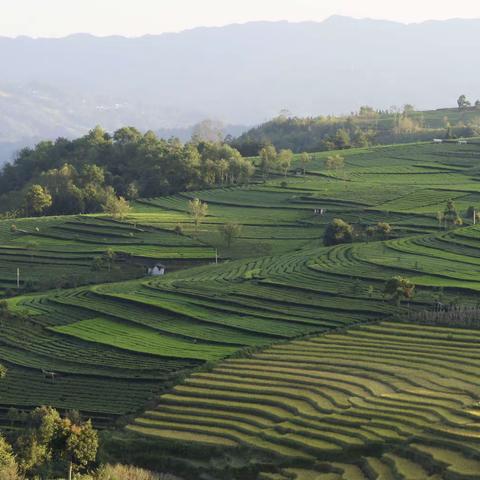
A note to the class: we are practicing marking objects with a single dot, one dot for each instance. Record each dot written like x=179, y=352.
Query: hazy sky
x=55, y=18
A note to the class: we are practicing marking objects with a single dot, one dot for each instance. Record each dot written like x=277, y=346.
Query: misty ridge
x=241, y=75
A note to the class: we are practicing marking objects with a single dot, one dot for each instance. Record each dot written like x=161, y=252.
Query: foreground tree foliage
x=50, y=443
x=127, y=472
x=338, y=231
x=79, y=174
x=8, y=465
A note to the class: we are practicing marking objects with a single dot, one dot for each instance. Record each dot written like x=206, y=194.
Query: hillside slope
x=283, y=284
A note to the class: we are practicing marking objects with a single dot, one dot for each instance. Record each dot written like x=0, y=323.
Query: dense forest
x=364, y=128
x=79, y=176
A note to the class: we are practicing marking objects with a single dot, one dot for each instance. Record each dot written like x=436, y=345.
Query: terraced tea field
x=58, y=251
x=332, y=387
x=387, y=400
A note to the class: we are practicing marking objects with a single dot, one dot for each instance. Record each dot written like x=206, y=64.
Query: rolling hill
x=284, y=361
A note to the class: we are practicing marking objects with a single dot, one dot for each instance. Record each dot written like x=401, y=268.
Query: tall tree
x=76, y=443
x=462, y=102
x=305, y=159
x=8, y=463
x=198, y=211
x=268, y=158
x=117, y=207
x=37, y=200
x=451, y=216
x=284, y=161
x=229, y=232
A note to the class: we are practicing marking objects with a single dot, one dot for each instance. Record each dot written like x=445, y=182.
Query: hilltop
x=361, y=129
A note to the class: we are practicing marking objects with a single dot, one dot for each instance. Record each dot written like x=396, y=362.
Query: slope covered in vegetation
x=360, y=129
x=115, y=346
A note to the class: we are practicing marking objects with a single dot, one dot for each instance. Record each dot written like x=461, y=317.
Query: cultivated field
x=329, y=383
x=54, y=252
x=387, y=400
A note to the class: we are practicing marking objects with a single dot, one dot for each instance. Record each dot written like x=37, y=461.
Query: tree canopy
x=74, y=176
x=338, y=231
x=399, y=288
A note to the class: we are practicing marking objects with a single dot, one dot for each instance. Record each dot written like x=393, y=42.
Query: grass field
x=332, y=387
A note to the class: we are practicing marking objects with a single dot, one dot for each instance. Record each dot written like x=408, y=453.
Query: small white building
x=437, y=140
x=462, y=142
x=157, y=270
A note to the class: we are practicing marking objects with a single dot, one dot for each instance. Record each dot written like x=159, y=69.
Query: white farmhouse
x=157, y=270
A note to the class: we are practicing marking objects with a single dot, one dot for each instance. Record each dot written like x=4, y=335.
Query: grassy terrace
x=57, y=251
x=399, y=400
x=117, y=346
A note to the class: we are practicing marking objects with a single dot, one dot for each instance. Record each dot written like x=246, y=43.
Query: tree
x=48, y=438
x=208, y=131
x=268, y=158
x=462, y=102
x=451, y=216
x=115, y=206
x=198, y=211
x=342, y=139
x=285, y=160
x=105, y=261
x=132, y=191
x=406, y=124
x=92, y=174
x=477, y=104
x=76, y=443
x=34, y=445
x=126, y=472
x=399, y=287
x=338, y=231
x=383, y=229
x=229, y=232
x=334, y=162
x=37, y=200
x=305, y=159
x=8, y=464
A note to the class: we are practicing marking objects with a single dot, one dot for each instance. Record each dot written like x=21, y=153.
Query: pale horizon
x=58, y=18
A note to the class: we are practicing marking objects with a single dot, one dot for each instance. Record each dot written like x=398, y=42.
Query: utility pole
x=18, y=278
x=474, y=217
x=216, y=256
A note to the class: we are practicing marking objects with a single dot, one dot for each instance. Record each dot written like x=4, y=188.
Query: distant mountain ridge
x=240, y=74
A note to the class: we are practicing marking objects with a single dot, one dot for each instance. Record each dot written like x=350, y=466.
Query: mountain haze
x=240, y=74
